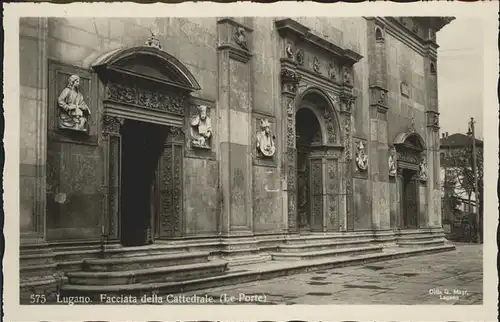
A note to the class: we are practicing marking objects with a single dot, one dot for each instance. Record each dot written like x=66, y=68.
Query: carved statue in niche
x=74, y=112
x=265, y=140
x=201, y=129
x=331, y=71
x=241, y=38
x=423, y=169
x=300, y=57
x=316, y=65
x=289, y=50
x=361, y=156
x=392, y=164
x=347, y=76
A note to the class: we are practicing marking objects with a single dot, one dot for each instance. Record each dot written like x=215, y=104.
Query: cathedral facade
x=239, y=139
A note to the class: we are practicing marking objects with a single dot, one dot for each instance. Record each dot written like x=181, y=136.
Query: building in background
x=194, y=145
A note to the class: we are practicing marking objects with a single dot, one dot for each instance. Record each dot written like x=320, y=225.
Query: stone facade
x=367, y=83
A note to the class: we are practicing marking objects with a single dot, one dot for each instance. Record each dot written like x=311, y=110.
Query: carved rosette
x=111, y=124
x=289, y=80
x=361, y=156
x=145, y=98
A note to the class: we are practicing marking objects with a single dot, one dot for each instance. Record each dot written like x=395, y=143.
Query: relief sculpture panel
x=74, y=112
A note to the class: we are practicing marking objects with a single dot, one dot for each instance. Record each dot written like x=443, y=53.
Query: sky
x=460, y=75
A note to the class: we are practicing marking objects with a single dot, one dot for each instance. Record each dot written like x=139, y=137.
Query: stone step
x=36, y=259
x=148, y=275
x=420, y=237
x=306, y=255
x=144, y=261
x=323, y=245
x=328, y=238
x=421, y=243
x=249, y=275
x=418, y=232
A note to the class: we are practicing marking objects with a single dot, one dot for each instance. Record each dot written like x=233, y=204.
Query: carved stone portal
x=201, y=128
x=265, y=140
x=361, y=156
x=73, y=111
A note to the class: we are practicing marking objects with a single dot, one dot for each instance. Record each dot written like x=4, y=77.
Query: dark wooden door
x=410, y=202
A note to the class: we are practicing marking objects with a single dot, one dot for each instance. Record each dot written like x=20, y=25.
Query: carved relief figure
x=423, y=169
x=300, y=57
x=381, y=99
x=316, y=64
x=392, y=164
x=361, y=156
x=265, y=140
x=74, y=112
x=241, y=38
x=331, y=71
x=201, y=129
x=289, y=50
x=347, y=76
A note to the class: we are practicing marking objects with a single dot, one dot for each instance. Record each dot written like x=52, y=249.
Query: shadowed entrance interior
x=308, y=134
x=410, y=199
x=142, y=145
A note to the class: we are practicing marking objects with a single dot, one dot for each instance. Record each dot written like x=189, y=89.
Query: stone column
x=378, y=144
x=432, y=136
x=112, y=143
x=234, y=111
x=33, y=34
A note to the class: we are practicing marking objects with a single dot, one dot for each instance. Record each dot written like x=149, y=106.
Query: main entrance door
x=142, y=145
x=410, y=200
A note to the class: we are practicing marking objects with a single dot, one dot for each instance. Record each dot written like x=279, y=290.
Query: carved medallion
x=361, y=156
x=265, y=140
x=300, y=57
x=73, y=111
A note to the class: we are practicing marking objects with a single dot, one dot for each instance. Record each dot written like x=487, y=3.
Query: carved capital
x=111, y=124
x=176, y=134
x=289, y=80
x=347, y=101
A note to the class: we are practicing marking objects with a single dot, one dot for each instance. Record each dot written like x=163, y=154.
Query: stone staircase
x=137, y=271
x=420, y=238
x=317, y=246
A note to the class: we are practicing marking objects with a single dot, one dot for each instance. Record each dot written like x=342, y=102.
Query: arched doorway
x=146, y=96
x=409, y=148
x=318, y=167
x=308, y=137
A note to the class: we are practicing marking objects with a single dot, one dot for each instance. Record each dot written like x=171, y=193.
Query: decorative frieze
x=145, y=99
x=408, y=157
x=361, y=156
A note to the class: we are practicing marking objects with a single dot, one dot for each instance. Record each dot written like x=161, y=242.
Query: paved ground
x=445, y=278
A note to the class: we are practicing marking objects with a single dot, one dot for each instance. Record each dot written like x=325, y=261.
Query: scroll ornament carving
x=392, y=164
x=423, y=169
x=201, y=128
x=73, y=111
x=265, y=140
x=361, y=156
x=240, y=38
x=290, y=79
x=290, y=125
x=176, y=133
x=300, y=57
x=145, y=98
x=111, y=124
x=289, y=50
x=330, y=128
x=347, y=137
x=404, y=156
x=316, y=65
